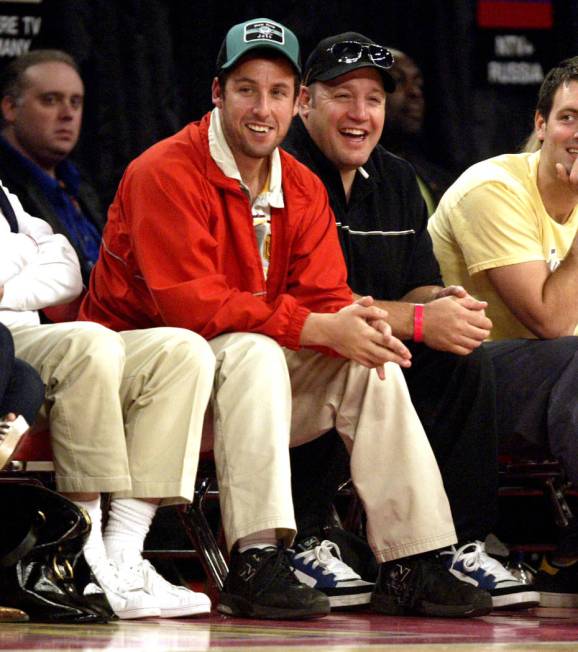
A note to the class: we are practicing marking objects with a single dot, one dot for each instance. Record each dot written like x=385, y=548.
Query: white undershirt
x=270, y=197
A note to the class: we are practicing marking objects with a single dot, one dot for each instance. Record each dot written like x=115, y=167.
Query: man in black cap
x=219, y=231
x=382, y=223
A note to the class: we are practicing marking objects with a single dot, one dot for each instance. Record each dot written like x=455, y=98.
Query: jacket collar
x=223, y=157
x=301, y=144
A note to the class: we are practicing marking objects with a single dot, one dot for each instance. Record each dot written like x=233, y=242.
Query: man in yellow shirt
x=507, y=231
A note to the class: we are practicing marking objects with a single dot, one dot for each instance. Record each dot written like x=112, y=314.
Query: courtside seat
x=35, y=447
x=535, y=502
x=34, y=456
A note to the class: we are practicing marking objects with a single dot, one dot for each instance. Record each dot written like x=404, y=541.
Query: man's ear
x=8, y=106
x=304, y=101
x=217, y=93
x=540, y=126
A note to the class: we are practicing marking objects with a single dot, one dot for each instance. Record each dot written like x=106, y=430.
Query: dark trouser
x=454, y=397
x=21, y=390
x=537, y=395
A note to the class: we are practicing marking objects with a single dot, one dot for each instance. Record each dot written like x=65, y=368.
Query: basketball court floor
x=539, y=629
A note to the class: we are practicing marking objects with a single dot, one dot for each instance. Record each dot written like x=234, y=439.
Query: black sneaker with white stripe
x=319, y=565
x=471, y=564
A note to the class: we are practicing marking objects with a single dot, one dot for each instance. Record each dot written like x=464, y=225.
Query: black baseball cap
x=340, y=54
x=258, y=33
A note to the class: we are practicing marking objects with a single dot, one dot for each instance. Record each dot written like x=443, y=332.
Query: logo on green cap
x=263, y=31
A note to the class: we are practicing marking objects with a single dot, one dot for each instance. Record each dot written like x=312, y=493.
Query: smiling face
x=257, y=105
x=345, y=116
x=43, y=123
x=559, y=133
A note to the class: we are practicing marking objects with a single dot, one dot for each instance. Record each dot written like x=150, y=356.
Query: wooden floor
x=540, y=629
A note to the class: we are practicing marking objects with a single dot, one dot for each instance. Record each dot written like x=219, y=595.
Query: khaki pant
x=125, y=409
x=266, y=399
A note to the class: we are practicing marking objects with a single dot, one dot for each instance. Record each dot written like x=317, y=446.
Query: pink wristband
x=418, y=322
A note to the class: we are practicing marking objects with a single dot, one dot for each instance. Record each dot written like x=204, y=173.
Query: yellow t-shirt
x=493, y=216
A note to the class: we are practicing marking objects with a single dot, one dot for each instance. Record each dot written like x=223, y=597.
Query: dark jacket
x=19, y=180
x=383, y=227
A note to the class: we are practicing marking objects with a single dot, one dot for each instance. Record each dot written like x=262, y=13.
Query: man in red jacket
x=219, y=231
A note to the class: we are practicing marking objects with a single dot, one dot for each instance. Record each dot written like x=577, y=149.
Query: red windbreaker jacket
x=179, y=249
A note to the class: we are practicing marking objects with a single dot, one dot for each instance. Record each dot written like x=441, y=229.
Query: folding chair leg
x=562, y=512
x=199, y=531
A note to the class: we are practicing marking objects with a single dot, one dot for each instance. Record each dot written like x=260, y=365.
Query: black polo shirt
x=383, y=228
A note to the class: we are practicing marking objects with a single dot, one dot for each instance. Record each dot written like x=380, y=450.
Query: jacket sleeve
x=317, y=275
x=39, y=268
x=177, y=250
x=15, y=251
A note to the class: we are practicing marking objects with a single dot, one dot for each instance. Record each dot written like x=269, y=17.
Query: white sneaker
x=125, y=590
x=472, y=564
x=173, y=601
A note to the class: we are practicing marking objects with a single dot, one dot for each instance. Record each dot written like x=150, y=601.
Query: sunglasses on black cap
x=353, y=51
x=348, y=52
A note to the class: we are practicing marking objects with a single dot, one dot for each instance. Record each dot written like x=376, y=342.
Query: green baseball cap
x=258, y=33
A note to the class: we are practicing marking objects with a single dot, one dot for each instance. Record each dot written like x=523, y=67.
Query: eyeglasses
x=353, y=51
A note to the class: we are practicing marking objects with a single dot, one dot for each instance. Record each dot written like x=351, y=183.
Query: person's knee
x=94, y=345
x=560, y=351
x=178, y=347
x=28, y=377
x=255, y=350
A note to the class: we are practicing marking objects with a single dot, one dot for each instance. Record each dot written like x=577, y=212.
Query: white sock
x=262, y=539
x=94, y=550
x=129, y=521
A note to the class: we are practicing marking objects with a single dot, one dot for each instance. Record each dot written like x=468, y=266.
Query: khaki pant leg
x=392, y=465
x=251, y=409
x=81, y=365
x=166, y=386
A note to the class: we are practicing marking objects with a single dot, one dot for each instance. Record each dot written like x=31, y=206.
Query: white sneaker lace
x=328, y=556
x=474, y=556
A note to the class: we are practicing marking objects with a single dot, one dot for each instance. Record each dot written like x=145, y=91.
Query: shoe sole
x=179, y=612
x=133, y=614
x=392, y=608
x=343, y=601
x=522, y=600
x=235, y=606
x=564, y=600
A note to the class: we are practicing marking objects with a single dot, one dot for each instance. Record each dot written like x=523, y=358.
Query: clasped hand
x=363, y=334
x=455, y=321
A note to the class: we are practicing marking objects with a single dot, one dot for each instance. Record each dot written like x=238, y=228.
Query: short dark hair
x=12, y=80
x=265, y=53
x=565, y=72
